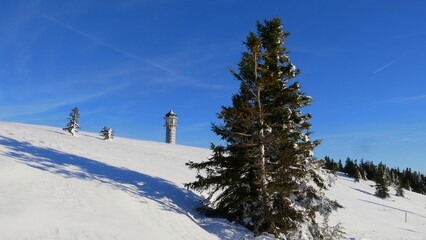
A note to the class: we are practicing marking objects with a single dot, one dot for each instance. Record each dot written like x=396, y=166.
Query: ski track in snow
x=55, y=186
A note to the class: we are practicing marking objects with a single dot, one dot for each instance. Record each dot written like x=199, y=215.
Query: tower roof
x=171, y=114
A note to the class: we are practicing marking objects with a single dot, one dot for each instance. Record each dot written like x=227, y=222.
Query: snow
x=367, y=217
x=54, y=186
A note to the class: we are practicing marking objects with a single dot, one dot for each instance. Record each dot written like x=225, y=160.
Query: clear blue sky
x=125, y=64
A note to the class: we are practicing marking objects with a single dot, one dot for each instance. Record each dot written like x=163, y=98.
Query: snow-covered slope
x=366, y=216
x=54, y=186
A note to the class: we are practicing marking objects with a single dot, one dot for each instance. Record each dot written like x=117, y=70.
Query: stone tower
x=171, y=124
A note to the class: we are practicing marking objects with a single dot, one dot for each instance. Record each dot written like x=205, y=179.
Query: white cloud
x=7, y=112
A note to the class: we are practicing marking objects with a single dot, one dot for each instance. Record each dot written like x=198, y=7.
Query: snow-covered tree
x=357, y=174
x=72, y=125
x=265, y=177
x=362, y=170
x=399, y=188
x=333, y=232
x=107, y=133
x=382, y=181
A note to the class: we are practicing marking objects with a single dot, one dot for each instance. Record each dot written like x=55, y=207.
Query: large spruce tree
x=265, y=176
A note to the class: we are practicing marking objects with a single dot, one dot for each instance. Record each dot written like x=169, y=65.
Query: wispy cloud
x=111, y=47
x=174, y=76
x=403, y=99
x=7, y=112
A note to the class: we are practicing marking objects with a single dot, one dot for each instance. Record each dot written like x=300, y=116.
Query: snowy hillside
x=54, y=186
x=366, y=216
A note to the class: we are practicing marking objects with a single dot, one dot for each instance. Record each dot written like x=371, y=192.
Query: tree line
x=383, y=175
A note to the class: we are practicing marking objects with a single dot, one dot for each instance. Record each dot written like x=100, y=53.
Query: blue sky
x=125, y=64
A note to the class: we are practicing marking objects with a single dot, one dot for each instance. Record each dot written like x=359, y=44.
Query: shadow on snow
x=165, y=193
x=365, y=192
x=394, y=208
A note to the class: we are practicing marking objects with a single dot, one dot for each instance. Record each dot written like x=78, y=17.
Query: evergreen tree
x=362, y=170
x=370, y=170
x=262, y=177
x=382, y=181
x=416, y=182
x=350, y=167
x=393, y=177
x=406, y=179
x=330, y=164
x=341, y=169
x=72, y=125
x=107, y=133
x=333, y=232
x=357, y=174
x=399, y=188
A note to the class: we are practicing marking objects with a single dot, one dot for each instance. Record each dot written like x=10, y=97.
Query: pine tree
x=362, y=170
x=406, y=179
x=341, y=169
x=357, y=174
x=399, y=188
x=72, y=125
x=333, y=232
x=382, y=181
x=107, y=133
x=370, y=170
x=262, y=177
x=350, y=167
x=330, y=164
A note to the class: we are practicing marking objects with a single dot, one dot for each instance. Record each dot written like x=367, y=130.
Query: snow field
x=55, y=186
x=367, y=217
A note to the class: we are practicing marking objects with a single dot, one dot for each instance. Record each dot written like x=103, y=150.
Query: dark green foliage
x=370, y=170
x=72, y=125
x=107, y=133
x=415, y=180
x=357, y=174
x=399, y=189
x=362, y=170
x=406, y=179
x=263, y=171
x=341, y=169
x=330, y=164
x=350, y=167
x=382, y=181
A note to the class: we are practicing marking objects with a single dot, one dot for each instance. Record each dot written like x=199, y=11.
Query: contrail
x=183, y=79
x=404, y=99
x=130, y=55
x=386, y=65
